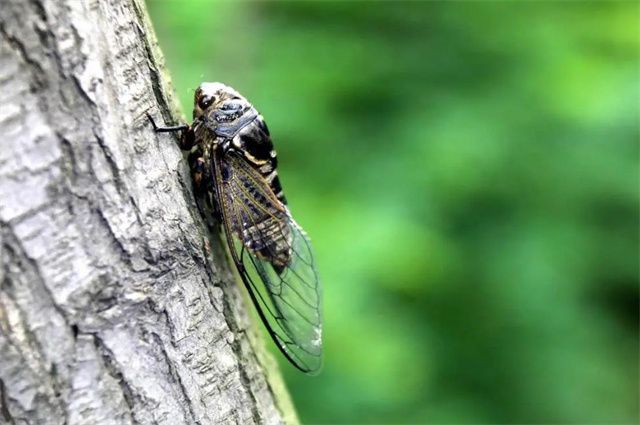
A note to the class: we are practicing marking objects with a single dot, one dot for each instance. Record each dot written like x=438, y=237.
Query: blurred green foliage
x=468, y=173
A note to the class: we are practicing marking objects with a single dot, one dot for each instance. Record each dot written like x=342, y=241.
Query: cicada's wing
x=274, y=258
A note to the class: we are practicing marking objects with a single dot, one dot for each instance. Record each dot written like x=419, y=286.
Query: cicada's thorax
x=237, y=125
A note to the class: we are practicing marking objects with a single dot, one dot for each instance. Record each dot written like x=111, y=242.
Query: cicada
x=234, y=169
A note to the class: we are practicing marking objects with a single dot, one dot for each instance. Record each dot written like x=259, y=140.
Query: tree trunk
x=114, y=307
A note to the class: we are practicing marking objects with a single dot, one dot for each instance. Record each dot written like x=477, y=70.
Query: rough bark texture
x=113, y=307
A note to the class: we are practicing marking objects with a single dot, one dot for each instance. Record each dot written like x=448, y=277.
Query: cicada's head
x=211, y=96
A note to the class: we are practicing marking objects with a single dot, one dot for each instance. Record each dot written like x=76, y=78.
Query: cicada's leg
x=198, y=172
x=187, y=138
x=202, y=185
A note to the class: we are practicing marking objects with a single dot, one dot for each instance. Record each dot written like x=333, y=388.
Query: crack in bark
x=29, y=348
x=110, y=365
x=154, y=67
x=4, y=405
x=21, y=49
x=177, y=378
x=237, y=349
x=26, y=266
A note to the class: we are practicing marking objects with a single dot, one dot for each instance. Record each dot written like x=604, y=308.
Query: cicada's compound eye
x=205, y=101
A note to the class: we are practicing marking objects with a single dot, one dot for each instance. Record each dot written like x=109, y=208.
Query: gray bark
x=114, y=307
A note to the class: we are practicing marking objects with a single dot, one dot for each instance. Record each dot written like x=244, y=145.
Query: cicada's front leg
x=187, y=138
x=202, y=176
x=199, y=172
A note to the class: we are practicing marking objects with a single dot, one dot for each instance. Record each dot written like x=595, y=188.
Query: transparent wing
x=275, y=260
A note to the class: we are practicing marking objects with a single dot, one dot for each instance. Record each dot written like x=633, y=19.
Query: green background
x=468, y=174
